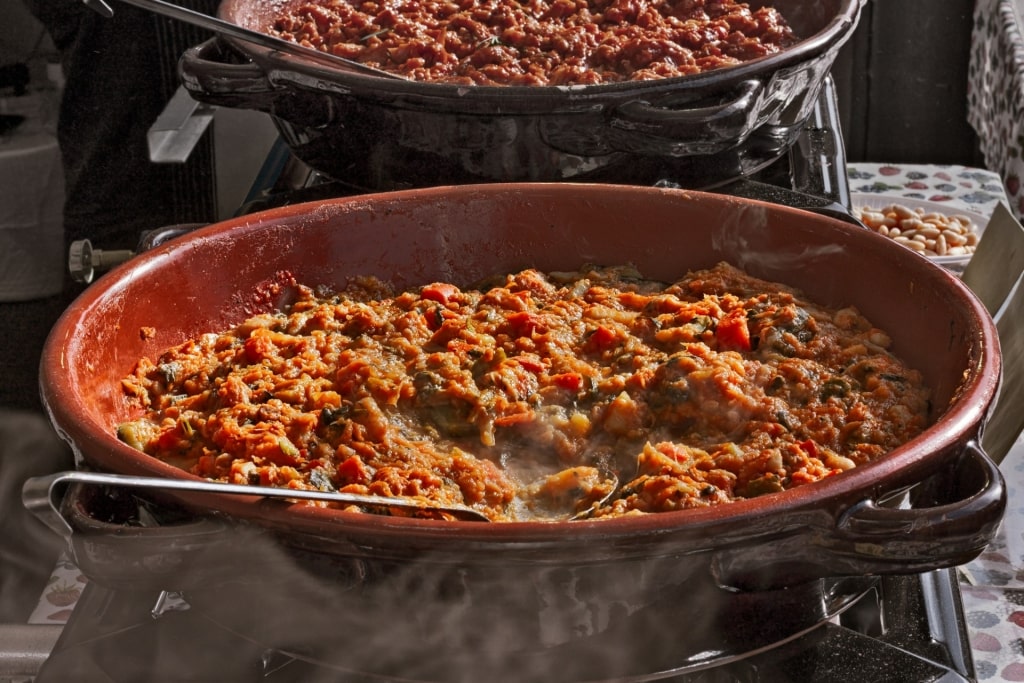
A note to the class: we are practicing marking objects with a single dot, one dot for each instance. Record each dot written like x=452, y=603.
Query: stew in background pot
x=542, y=42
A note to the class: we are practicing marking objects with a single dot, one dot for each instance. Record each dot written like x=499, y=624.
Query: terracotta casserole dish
x=532, y=589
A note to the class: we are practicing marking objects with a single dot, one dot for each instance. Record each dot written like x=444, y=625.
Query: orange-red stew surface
x=537, y=42
x=518, y=397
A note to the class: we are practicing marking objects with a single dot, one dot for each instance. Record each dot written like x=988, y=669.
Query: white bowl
x=871, y=200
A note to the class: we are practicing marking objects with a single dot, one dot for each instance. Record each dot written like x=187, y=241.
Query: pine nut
x=932, y=233
x=901, y=211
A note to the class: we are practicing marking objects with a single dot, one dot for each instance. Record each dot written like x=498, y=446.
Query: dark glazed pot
x=383, y=134
x=557, y=585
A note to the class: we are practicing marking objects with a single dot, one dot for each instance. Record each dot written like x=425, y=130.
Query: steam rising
x=28, y=549
x=433, y=616
x=434, y=619
x=741, y=235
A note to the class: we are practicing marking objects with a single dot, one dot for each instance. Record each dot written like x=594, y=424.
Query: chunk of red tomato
x=441, y=292
x=602, y=339
x=523, y=324
x=732, y=332
x=573, y=381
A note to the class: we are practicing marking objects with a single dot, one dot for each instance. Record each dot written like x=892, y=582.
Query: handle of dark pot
x=715, y=124
x=209, y=77
x=872, y=539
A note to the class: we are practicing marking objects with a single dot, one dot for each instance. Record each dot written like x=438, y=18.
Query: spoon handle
x=39, y=495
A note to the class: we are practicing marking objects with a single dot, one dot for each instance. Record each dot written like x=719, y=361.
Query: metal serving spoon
x=40, y=495
x=557, y=513
x=222, y=27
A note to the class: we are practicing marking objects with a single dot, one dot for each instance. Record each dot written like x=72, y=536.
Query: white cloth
x=32, y=257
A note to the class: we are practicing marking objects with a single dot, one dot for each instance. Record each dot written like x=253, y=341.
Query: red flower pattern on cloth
x=60, y=595
x=993, y=591
x=996, y=631
x=1014, y=672
x=995, y=92
x=966, y=188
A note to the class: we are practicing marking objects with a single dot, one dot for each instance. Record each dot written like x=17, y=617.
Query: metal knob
x=84, y=261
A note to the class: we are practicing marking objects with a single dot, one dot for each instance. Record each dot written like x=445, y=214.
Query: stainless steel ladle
x=219, y=26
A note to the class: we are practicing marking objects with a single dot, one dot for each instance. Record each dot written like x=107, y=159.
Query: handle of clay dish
x=957, y=530
x=870, y=538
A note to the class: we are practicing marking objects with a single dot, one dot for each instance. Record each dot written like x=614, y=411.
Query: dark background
x=902, y=84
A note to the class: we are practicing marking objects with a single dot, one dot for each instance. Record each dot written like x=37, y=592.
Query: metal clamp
x=84, y=261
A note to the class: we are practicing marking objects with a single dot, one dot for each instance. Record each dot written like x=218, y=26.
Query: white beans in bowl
x=929, y=232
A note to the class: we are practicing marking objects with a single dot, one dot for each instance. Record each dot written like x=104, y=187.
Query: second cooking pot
x=382, y=134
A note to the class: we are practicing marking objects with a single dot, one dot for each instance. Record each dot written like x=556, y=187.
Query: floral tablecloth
x=993, y=588
x=995, y=92
x=962, y=187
